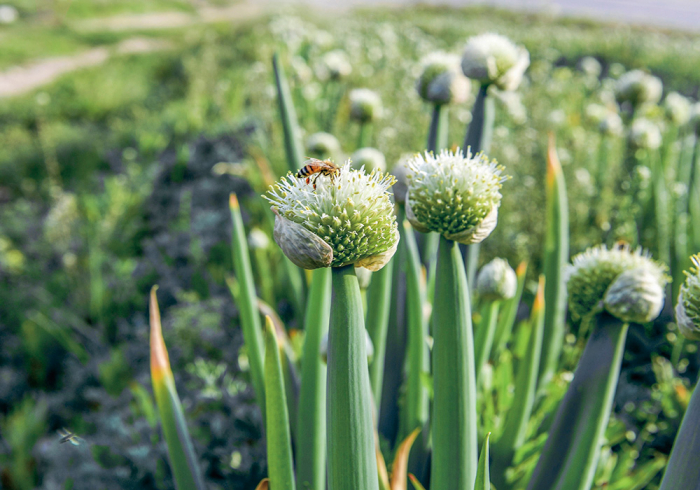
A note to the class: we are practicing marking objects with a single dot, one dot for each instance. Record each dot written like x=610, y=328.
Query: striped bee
x=317, y=167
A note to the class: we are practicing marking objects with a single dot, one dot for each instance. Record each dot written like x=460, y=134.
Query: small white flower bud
x=612, y=125
x=590, y=66
x=365, y=105
x=645, y=134
x=677, y=108
x=258, y=239
x=370, y=158
x=441, y=80
x=336, y=65
x=637, y=87
x=322, y=146
x=492, y=58
x=635, y=296
x=688, y=307
x=497, y=281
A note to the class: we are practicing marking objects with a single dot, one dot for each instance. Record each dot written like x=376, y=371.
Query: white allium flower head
x=8, y=14
x=441, y=80
x=322, y=146
x=497, y=281
x=590, y=66
x=594, y=270
x=688, y=307
x=492, y=58
x=645, y=134
x=347, y=220
x=677, y=108
x=365, y=105
x=369, y=158
x=336, y=64
x=258, y=239
x=454, y=194
x=635, y=296
x=638, y=87
x=612, y=125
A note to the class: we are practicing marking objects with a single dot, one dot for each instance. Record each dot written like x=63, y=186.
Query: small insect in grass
x=68, y=436
x=317, y=167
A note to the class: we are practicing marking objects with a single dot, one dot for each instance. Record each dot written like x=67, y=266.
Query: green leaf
x=279, y=445
x=288, y=116
x=454, y=459
x=484, y=335
x=509, y=310
x=311, y=435
x=483, y=481
x=570, y=455
x=183, y=461
x=352, y=460
x=556, y=257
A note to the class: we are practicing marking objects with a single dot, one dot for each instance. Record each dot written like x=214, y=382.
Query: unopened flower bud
x=336, y=65
x=635, y=296
x=590, y=66
x=494, y=59
x=677, y=108
x=688, y=307
x=637, y=87
x=258, y=239
x=370, y=158
x=442, y=80
x=455, y=195
x=322, y=146
x=365, y=105
x=644, y=134
x=496, y=281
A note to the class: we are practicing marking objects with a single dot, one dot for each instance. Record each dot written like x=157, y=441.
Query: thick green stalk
x=568, y=460
x=556, y=257
x=483, y=480
x=378, y=302
x=288, y=116
x=485, y=335
x=416, y=403
x=183, y=460
x=509, y=311
x=683, y=470
x=364, y=135
x=248, y=304
x=279, y=441
x=311, y=421
x=517, y=418
x=437, y=136
x=454, y=460
x=478, y=139
x=352, y=464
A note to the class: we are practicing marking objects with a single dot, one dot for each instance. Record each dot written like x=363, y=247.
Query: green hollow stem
x=352, y=463
x=485, y=335
x=288, y=116
x=378, y=302
x=417, y=402
x=478, y=139
x=311, y=417
x=364, y=135
x=683, y=470
x=454, y=459
x=279, y=442
x=509, y=311
x=248, y=303
x=568, y=460
x=437, y=136
x=556, y=257
x=517, y=418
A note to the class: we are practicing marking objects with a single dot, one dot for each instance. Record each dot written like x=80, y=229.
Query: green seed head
x=637, y=87
x=369, y=158
x=322, y=146
x=492, y=58
x=441, y=80
x=454, y=195
x=496, y=281
x=688, y=307
x=347, y=220
x=594, y=270
x=365, y=105
x=636, y=296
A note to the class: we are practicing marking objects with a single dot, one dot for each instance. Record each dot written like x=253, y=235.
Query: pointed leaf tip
x=400, y=465
x=483, y=480
x=415, y=482
x=538, y=304
x=233, y=201
x=522, y=269
x=264, y=485
x=553, y=164
x=160, y=362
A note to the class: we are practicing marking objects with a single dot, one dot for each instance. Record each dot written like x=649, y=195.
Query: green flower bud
x=644, y=134
x=369, y=158
x=365, y=105
x=637, y=87
x=688, y=307
x=322, y=146
x=677, y=108
x=336, y=65
x=496, y=281
x=635, y=296
x=345, y=219
x=455, y=195
x=441, y=80
x=594, y=270
x=492, y=58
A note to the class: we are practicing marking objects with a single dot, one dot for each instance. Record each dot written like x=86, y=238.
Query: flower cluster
x=347, y=219
x=495, y=59
x=365, y=105
x=441, y=80
x=637, y=87
x=688, y=307
x=454, y=194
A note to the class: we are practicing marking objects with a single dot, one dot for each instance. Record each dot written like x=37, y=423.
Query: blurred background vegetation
x=116, y=177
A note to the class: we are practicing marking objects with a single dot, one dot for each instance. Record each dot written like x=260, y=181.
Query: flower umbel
x=454, y=195
x=688, y=307
x=352, y=215
x=441, y=80
x=492, y=58
x=595, y=270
